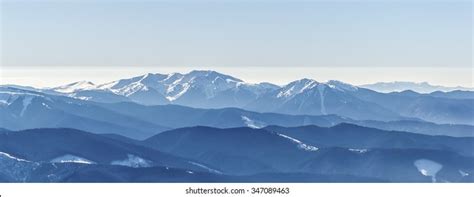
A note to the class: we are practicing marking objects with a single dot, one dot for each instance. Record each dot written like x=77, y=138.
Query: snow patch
x=463, y=173
x=300, y=144
x=251, y=123
x=132, y=88
x=12, y=157
x=133, y=161
x=71, y=159
x=205, y=167
x=231, y=81
x=341, y=86
x=307, y=147
x=321, y=89
x=358, y=150
x=84, y=98
x=186, y=86
x=46, y=105
x=26, y=102
x=10, y=96
x=5, y=98
x=428, y=168
x=286, y=93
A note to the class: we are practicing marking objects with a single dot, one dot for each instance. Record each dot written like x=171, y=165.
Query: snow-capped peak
x=210, y=82
x=151, y=78
x=339, y=85
x=297, y=87
x=173, y=86
x=127, y=87
x=212, y=75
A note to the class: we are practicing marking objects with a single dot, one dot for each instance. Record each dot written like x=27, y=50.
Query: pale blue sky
x=321, y=37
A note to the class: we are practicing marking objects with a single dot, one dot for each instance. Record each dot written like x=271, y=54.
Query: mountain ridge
x=420, y=87
x=212, y=90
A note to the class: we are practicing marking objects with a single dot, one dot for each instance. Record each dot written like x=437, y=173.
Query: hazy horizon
x=50, y=43
x=280, y=76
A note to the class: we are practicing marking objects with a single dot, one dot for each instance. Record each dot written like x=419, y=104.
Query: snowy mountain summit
x=198, y=88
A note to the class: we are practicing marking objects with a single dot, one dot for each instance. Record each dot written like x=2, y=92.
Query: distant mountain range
x=204, y=126
x=209, y=89
x=423, y=87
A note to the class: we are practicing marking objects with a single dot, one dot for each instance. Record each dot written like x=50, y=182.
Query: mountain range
x=23, y=109
x=205, y=126
x=247, y=150
x=205, y=154
x=210, y=89
x=423, y=87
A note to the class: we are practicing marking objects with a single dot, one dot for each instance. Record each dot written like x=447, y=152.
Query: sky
x=49, y=43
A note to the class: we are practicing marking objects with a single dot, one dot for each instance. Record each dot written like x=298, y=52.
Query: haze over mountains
x=423, y=87
x=208, y=126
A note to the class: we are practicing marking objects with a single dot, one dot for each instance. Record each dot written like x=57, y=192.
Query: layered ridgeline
x=206, y=154
x=209, y=89
x=424, y=87
x=24, y=109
